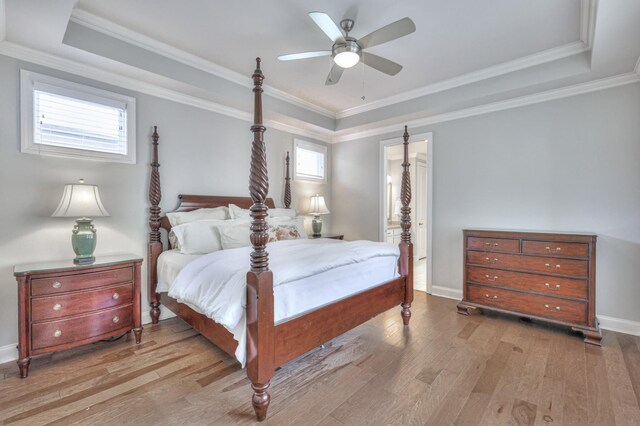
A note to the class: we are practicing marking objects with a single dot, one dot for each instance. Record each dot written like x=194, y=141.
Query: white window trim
x=27, y=81
x=311, y=146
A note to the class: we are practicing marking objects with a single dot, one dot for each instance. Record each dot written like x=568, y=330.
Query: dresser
x=544, y=276
x=62, y=305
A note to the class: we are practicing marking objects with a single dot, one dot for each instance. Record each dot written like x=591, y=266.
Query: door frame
x=382, y=194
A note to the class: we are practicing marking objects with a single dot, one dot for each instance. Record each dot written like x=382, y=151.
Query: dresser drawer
x=552, y=248
x=552, y=286
x=55, y=333
x=494, y=244
x=62, y=284
x=550, y=265
x=51, y=307
x=550, y=307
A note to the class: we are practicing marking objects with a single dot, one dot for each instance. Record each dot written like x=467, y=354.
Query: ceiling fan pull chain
x=363, y=97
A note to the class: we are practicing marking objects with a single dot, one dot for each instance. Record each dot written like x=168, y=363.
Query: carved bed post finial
x=287, y=185
x=406, y=247
x=155, y=244
x=260, y=321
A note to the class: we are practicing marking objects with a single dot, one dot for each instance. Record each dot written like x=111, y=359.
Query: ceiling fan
x=347, y=51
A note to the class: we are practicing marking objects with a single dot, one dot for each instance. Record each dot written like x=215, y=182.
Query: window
x=68, y=119
x=310, y=162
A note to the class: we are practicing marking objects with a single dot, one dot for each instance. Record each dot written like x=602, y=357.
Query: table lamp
x=81, y=200
x=317, y=206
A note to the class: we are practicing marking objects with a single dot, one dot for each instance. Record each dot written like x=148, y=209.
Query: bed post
x=287, y=185
x=406, y=247
x=155, y=244
x=260, y=322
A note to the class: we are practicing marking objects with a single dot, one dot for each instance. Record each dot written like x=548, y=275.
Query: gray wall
x=567, y=165
x=200, y=153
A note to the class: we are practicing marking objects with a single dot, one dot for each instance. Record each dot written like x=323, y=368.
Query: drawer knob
x=490, y=260
x=489, y=296
x=557, y=249
x=115, y=319
x=489, y=278
x=56, y=285
x=115, y=296
x=549, y=307
x=548, y=265
x=494, y=244
x=57, y=333
x=557, y=286
x=57, y=307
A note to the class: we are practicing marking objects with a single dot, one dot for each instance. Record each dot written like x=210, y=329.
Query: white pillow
x=238, y=213
x=235, y=233
x=198, y=237
x=217, y=213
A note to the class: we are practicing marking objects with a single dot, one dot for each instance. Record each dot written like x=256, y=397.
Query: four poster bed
x=272, y=341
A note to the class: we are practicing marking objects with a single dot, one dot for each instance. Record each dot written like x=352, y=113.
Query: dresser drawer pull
x=490, y=260
x=57, y=307
x=557, y=249
x=57, y=333
x=557, y=287
x=549, y=265
x=115, y=319
x=549, y=307
x=115, y=296
x=489, y=244
x=489, y=278
x=56, y=285
x=489, y=297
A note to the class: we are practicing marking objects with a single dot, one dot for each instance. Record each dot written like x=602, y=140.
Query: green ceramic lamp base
x=316, y=226
x=83, y=240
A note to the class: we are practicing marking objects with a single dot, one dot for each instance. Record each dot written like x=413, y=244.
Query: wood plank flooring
x=444, y=369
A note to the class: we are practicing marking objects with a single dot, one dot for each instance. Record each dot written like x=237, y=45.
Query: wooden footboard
x=270, y=345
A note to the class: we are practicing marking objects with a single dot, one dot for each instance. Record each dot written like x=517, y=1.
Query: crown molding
x=577, y=89
x=472, y=77
x=119, y=32
x=73, y=67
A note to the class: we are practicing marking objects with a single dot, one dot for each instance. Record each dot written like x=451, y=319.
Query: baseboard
x=619, y=325
x=449, y=293
x=8, y=353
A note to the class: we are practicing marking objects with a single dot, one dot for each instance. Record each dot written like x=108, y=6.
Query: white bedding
x=328, y=270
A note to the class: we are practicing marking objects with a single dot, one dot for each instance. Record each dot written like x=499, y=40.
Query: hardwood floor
x=443, y=369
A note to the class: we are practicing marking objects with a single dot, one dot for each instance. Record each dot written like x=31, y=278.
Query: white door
x=421, y=201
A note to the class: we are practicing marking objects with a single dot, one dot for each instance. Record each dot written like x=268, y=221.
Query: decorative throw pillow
x=198, y=237
x=180, y=218
x=297, y=222
x=283, y=232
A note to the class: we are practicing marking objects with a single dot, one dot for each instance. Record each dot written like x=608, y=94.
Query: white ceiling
x=452, y=38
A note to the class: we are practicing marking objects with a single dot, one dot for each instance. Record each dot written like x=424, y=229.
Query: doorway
x=420, y=170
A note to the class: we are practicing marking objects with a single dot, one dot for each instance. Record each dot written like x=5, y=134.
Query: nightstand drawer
x=56, y=333
x=63, y=284
x=52, y=307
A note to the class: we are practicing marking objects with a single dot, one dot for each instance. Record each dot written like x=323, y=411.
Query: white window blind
x=310, y=161
x=81, y=124
x=67, y=119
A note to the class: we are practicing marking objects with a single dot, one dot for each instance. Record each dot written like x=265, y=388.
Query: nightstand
x=62, y=305
x=332, y=236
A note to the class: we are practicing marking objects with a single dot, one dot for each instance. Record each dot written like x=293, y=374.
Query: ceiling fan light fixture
x=346, y=59
x=347, y=54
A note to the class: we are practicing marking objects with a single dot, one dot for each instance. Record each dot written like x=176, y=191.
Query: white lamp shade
x=80, y=200
x=317, y=206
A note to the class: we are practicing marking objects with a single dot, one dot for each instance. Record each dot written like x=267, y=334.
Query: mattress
x=298, y=297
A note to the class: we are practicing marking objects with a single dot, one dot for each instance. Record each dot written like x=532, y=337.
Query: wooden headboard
x=193, y=202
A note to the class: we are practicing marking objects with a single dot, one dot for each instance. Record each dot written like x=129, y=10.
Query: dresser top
x=529, y=231
x=65, y=265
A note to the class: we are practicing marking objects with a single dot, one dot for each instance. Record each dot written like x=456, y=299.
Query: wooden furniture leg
x=137, y=303
x=463, y=308
x=155, y=243
x=593, y=337
x=406, y=247
x=24, y=343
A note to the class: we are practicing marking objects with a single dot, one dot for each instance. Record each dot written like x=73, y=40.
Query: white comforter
x=215, y=284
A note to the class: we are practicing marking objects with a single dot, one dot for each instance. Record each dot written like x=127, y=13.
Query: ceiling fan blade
x=387, y=33
x=327, y=25
x=381, y=64
x=334, y=75
x=304, y=55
